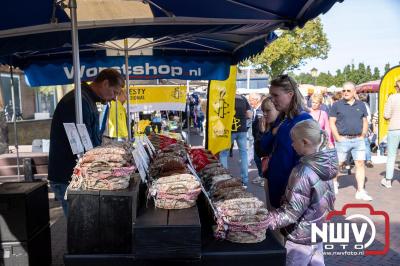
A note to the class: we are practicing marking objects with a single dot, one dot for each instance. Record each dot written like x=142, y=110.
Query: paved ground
x=384, y=199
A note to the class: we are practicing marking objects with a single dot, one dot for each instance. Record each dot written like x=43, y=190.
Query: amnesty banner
x=385, y=90
x=157, y=98
x=221, y=110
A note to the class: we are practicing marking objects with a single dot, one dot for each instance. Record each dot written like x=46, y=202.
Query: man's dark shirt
x=349, y=118
x=61, y=159
x=241, y=108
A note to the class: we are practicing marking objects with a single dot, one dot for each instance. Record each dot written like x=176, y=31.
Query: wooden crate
x=168, y=234
x=35, y=251
x=24, y=210
x=101, y=221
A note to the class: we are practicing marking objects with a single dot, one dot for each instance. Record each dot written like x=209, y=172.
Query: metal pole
x=116, y=116
x=180, y=121
x=14, y=119
x=75, y=51
x=188, y=112
x=128, y=116
x=207, y=117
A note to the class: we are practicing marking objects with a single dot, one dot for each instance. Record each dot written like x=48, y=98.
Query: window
x=46, y=99
x=5, y=83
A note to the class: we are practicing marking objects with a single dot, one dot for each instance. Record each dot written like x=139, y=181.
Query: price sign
x=85, y=138
x=73, y=138
x=139, y=165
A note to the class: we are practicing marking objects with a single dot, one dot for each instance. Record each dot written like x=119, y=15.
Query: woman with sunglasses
x=289, y=102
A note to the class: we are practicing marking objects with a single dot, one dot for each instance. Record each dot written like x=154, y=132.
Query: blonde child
x=309, y=195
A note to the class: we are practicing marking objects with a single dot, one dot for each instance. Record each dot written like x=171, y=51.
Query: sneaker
x=262, y=183
x=386, y=183
x=257, y=180
x=363, y=195
x=336, y=187
x=369, y=164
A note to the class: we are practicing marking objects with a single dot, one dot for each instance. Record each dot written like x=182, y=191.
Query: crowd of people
x=299, y=144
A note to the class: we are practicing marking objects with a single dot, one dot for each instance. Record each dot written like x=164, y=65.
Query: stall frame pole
x=188, y=112
x=128, y=111
x=76, y=62
x=14, y=118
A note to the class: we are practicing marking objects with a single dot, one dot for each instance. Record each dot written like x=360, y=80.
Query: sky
x=365, y=31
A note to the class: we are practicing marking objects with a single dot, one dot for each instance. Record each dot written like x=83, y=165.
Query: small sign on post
x=73, y=138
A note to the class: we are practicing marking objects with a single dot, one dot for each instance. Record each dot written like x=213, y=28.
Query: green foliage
x=292, y=48
x=349, y=73
x=376, y=74
x=387, y=67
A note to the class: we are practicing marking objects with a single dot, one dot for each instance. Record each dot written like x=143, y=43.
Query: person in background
x=239, y=133
x=336, y=97
x=199, y=118
x=122, y=127
x=255, y=103
x=156, y=122
x=309, y=195
x=392, y=113
x=287, y=100
x=310, y=92
x=349, y=125
x=62, y=161
x=368, y=156
x=321, y=116
x=326, y=100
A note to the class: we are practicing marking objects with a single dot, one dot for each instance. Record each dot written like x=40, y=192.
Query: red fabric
x=264, y=164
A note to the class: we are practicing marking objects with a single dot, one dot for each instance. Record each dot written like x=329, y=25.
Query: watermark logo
x=350, y=237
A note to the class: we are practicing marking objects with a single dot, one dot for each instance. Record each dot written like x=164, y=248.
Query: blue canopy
x=234, y=28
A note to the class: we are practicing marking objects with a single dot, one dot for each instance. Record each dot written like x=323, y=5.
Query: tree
x=387, y=68
x=292, y=48
x=368, y=75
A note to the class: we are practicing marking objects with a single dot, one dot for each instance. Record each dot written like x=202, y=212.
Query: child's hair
x=310, y=129
x=267, y=102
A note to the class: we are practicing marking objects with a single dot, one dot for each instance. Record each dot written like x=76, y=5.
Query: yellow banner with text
x=157, y=98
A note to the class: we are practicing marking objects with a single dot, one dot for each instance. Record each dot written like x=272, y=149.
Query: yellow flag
x=385, y=89
x=221, y=110
x=122, y=127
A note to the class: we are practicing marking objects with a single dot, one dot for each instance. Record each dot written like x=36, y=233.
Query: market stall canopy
x=369, y=87
x=234, y=28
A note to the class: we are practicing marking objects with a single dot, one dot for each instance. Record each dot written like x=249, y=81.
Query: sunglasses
x=286, y=77
x=346, y=90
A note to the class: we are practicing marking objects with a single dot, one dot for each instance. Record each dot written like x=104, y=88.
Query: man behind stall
x=61, y=159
